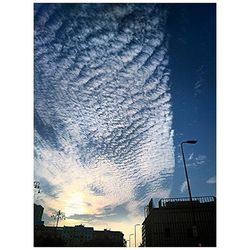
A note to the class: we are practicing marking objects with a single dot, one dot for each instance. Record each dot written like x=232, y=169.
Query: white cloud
x=179, y=158
x=200, y=160
x=190, y=157
x=196, y=161
x=201, y=80
x=108, y=106
x=211, y=180
x=184, y=187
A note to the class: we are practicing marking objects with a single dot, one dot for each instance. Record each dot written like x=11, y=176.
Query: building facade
x=77, y=236
x=108, y=238
x=178, y=222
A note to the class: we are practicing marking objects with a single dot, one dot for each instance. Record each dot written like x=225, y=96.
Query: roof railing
x=201, y=199
x=168, y=201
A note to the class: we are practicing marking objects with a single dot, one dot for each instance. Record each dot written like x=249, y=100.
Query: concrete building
x=175, y=224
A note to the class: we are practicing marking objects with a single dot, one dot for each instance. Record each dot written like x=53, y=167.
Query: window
x=167, y=232
x=190, y=232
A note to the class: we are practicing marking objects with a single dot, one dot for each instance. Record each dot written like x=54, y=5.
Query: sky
x=117, y=88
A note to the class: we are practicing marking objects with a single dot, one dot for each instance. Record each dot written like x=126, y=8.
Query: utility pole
x=58, y=216
x=194, y=226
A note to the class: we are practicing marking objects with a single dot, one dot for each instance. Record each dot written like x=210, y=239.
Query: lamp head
x=190, y=142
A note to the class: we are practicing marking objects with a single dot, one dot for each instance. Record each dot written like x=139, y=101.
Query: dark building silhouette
x=175, y=224
x=107, y=238
x=48, y=237
x=77, y=236
x=38, y=213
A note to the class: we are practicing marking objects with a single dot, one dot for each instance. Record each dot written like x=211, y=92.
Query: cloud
x=179, y=158
x=190, y=156
x=103, y=110
x=200, y=160
x=201, y=75
x=48, y=188
x=211, y=180
x=184, y=187
x=192, y=160
x=108, y=213
x=196, y=161
x=96, y=190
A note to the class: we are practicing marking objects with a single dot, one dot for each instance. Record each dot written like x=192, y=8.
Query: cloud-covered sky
x=105, y=107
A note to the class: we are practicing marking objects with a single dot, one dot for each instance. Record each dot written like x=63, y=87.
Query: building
x=46, y=236
x=178, y=223
x=77, y=236
x=38, y=213
x=107, y=238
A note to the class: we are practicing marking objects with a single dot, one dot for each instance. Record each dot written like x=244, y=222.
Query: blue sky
x=117, y=87
x=193, y=89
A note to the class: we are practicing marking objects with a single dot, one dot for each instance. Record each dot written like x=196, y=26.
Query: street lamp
x=130, y=239
x=37, y=186
x=185, y=167
x=189, y=190
x=135, y=232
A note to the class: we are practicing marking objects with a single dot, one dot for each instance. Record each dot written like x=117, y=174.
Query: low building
x=77, y=236
x=47, y=236
x=107, y=238
x=178, y=223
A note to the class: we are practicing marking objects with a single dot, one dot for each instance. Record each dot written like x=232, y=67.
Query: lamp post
x=130, y=239
x=189, y=189
x=129, y=243
x=135, y=232
x=37, y=186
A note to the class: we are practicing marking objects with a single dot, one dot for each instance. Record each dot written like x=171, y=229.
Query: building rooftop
x=178, y=202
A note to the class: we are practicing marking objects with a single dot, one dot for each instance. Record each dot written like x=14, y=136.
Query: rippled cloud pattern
x=103, y=118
